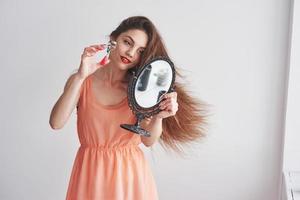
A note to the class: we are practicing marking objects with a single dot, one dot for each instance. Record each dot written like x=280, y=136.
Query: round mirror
x=146, y=89
x=154, y=81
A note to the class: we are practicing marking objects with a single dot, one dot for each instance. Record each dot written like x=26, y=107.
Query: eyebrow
x=133, y=40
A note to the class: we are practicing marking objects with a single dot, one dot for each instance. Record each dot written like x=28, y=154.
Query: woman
x=109, y=164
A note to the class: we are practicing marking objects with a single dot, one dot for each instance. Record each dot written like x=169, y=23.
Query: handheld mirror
x=146, y=89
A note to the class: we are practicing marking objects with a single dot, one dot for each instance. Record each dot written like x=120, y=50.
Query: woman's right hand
x=88, y=64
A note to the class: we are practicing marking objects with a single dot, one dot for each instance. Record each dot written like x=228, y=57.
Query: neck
x=111, y=75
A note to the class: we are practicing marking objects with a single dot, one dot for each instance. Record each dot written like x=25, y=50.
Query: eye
x=126, y=42
x=141, y=51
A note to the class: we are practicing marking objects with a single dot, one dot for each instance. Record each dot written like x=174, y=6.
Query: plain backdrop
x=291, y=162
x=292, y=136
x=234, y=54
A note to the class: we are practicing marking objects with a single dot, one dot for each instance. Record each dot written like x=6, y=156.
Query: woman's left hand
x=168, y=105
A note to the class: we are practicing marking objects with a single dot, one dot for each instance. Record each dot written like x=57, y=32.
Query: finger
x=92, y=49
x=173, y=101
x=176, y=105
x=89, y=51
x=175, y=94
x=171, y=95
x=86, y=50
x=171, y=111
x=87, y=54
x=170, y=103
x=169, y=108
x=165, y=102
x=163, y=107
x=172, y=108
x=162, y=97
x=99, y=46
x=164, y=114
x=165, y=96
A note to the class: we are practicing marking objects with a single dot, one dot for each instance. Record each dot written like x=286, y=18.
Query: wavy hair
x=188, y=124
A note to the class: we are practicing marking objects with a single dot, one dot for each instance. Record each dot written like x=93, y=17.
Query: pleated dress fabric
x=109, y=164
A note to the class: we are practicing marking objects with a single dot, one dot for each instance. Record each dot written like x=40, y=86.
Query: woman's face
x=129, y=48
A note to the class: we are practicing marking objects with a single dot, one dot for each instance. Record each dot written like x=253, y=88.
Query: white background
x=234, y=54
x=291, y=164
x=292, y=138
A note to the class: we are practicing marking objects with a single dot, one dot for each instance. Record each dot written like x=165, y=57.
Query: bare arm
x=69, y=99
x=67, y=102
x=154, y=126
x=169, y=107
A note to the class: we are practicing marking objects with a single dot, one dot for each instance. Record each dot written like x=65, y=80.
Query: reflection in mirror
x=153, y=82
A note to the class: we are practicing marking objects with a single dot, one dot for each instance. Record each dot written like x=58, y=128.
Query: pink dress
x=109, y=164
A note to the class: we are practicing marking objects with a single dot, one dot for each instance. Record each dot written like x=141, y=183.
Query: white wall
x=235, y=54
x=292, y=136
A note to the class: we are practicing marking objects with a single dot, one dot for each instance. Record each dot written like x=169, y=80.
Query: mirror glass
x=154, y=81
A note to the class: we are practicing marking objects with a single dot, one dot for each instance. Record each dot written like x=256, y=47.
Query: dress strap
x=85, y=86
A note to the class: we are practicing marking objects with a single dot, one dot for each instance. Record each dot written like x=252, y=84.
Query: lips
x=125, y=60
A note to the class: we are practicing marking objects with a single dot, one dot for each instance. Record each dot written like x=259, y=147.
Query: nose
x=130, y=52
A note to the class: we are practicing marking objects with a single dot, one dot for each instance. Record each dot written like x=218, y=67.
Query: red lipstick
x=125, y=60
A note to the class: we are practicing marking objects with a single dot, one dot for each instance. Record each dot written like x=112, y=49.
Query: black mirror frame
x=134, y=106
x=139, y=111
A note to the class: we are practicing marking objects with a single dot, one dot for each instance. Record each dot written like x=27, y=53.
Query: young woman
x=109, y=164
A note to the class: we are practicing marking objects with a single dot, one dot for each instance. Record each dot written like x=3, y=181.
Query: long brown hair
x=188, y=124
